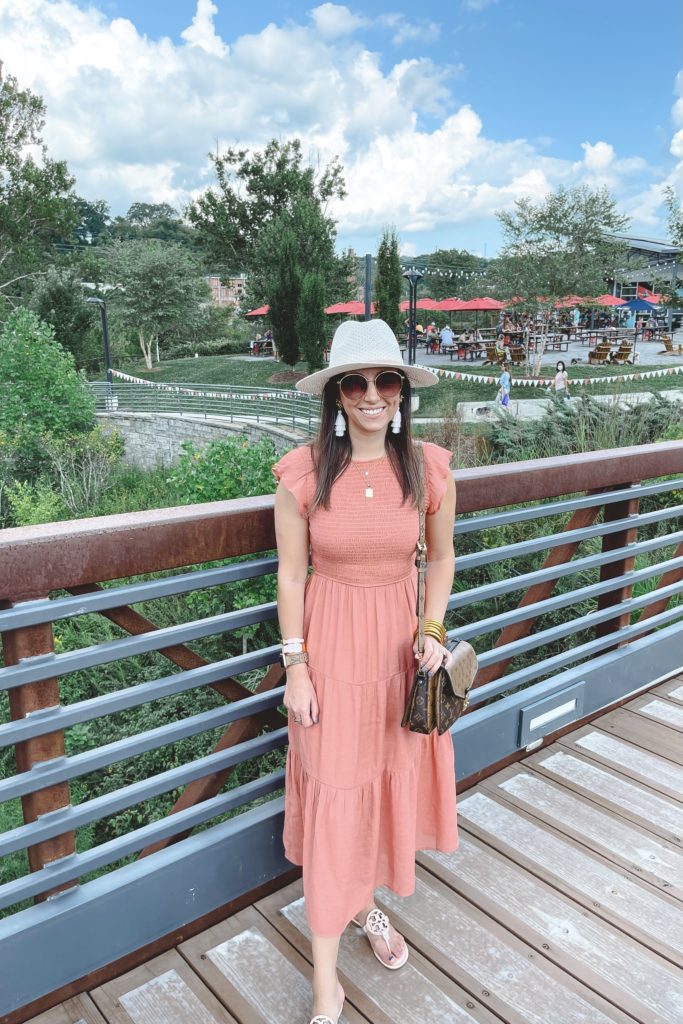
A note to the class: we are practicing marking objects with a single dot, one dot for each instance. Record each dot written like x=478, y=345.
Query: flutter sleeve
x=295, y=471
x=437, y=462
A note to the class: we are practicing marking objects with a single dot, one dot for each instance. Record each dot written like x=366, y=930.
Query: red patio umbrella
x=261, y=311
x=608, y=300
x=353, y=308
x=450, y=305
x=483, y=303
x=569, y=300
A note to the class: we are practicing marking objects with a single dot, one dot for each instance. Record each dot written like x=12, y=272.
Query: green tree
x=561, y=246
x=310, y=324
x=284, y=288
x=41, y=392
x=144, y=214
x=161, y=296
x=388, y=281
x=34, y=190
x=59, y=301
x=675, y=216
x=92, y=221
x=252, y=189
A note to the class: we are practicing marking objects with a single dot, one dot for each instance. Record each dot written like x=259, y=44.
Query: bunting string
x=481, y=378
x=178, y=389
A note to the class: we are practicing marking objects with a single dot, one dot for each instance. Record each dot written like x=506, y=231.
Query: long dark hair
x=332, y=454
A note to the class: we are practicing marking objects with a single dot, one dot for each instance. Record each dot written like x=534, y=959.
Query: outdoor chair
x=517, y=355
x=493, y=355
x=669, y=347
x=600, y=354
x=623, y=353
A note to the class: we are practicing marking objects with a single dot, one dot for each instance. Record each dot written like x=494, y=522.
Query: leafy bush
x=235, y=468
x=41, y=392
x=82, y=467
x=33, y=503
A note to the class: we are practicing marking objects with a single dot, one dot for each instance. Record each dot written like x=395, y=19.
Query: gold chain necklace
x=365, y=476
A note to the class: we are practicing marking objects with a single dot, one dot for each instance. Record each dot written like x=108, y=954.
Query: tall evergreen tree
x=283, y=288
x=388, y=281
x=311, y=326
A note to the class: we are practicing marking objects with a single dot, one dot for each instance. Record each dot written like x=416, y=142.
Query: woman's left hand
x=434, y=656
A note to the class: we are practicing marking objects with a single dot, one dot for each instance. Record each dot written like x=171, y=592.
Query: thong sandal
x=324, y=1018
x=377, y=923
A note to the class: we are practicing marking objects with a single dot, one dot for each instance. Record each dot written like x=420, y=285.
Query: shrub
x=41, y=392
x=235, y=468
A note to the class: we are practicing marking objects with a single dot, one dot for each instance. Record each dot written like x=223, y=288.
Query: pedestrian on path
x=504, y=384
x=561, y=382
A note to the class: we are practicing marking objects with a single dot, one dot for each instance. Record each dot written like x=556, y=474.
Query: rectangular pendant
x=369, y=493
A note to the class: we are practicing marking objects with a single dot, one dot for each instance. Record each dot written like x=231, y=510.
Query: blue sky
x=441, y=112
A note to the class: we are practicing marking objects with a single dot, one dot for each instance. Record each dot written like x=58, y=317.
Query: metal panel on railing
x=549, y=604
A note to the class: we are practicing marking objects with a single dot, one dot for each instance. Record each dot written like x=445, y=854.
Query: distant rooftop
x=648, y=244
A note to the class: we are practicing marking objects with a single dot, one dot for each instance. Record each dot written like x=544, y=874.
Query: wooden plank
x=650, y=917
x=668, y=712
x=607, y=788
x=255, y=972
x=384, y=997
x=643, y=732
x=163, y=991
x=670, y=689
x=79, y=1010
x=517, y=983
x=601, y=956
x=655, y=860
x=649, y=769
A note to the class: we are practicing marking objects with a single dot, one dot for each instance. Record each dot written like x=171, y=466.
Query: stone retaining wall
x=155, y=439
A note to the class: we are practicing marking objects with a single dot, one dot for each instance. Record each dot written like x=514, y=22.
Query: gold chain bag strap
x=436, y=701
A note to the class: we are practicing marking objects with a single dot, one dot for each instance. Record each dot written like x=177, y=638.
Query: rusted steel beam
x=580, y=519
x=39, y=559
x=512, y=483
x=28, y=643
x=665, y=580
x=211, y=785
x=610, y=541
x=180, y=655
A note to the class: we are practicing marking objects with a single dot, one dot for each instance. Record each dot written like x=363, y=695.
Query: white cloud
x=135, y=116
x=477, y=5
x=202, y=33
x=333, y=20
x=405, y=31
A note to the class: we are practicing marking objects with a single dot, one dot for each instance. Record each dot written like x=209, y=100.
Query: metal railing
x=547, y=588
x=287, y=408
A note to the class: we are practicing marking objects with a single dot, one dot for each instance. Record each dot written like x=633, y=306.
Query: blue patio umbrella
x=640, y=306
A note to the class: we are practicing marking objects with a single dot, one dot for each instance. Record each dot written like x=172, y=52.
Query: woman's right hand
x=300, y=697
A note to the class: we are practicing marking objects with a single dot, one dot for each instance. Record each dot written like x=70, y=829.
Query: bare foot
x=326, y=1003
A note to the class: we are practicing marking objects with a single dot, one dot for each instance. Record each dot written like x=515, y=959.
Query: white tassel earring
x=396, y=422
x=340, y=424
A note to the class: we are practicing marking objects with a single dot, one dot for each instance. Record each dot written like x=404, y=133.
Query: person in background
x=447, y=339
x=561, y=382
x=504, y=384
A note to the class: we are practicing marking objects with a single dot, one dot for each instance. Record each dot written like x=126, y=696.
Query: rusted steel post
x=16, y=645
x=617, y=510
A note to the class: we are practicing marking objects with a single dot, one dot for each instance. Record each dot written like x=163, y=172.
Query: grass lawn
x=433, y=401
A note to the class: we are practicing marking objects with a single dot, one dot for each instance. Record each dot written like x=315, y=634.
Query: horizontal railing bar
x=551, y=604
x=33, y=613
x=554, y=540
x=50, y=666
x=47, y=720
x=520, y=515
x=461, y=598
x=66, y=869
x=65, y=819
x=59, y=769
x=560, y=630
x=548, y=666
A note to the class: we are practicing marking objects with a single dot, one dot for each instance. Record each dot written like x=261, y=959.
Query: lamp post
x=93, y=301
x=412, y=276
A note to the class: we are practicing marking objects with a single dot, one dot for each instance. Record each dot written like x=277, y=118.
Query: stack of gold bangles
x=436, y=630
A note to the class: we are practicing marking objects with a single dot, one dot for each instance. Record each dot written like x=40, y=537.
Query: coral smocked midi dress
x=362, y=794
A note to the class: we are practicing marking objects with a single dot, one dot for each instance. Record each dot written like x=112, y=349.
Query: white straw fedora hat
x=361, y=343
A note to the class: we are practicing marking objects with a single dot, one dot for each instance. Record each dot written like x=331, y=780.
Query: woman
x=362, y=793
x=504, y=384
x=561, y=382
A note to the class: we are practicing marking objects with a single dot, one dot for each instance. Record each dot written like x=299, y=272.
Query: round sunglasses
x=388, y=384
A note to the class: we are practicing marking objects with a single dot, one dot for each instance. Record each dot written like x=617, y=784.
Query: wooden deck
x=563, y=905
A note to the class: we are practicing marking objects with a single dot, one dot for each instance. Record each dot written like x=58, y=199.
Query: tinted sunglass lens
x=389, y=383
x=353, y=386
